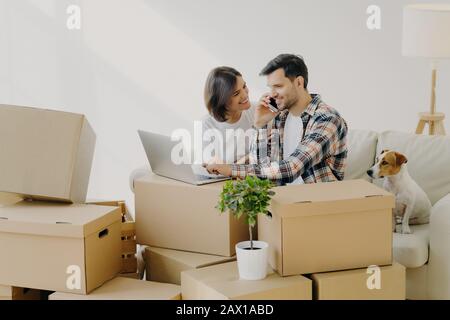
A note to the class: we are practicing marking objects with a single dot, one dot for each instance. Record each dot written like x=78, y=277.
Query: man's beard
x=290, y=103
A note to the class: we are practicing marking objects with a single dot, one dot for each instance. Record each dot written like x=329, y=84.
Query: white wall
x=141, y=64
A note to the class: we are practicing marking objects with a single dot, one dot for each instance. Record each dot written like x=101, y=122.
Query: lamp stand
x=434, y=119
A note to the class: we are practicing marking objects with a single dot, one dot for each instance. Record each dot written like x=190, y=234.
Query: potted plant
x=248, y=198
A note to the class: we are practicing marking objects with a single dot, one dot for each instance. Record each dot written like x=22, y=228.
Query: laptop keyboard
x=201, y=177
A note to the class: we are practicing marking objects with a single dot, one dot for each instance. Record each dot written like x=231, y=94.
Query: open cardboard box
x=45, y=154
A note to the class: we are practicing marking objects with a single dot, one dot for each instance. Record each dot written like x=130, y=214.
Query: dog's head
x=388, y=163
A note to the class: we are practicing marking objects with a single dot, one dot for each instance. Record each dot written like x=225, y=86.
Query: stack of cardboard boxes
x=192, y=244
x=321, y=229
x=183, y=229
x=326, y=241
x=51, y=240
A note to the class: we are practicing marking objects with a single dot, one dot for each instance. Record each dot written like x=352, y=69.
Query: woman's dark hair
x=219, y=88
x=292, y=65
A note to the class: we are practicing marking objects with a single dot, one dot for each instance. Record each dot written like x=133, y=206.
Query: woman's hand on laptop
x=213, y=160
x=243, y=160
x=219, y=169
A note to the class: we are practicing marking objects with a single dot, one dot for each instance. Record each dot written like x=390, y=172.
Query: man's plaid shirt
x=320, y=156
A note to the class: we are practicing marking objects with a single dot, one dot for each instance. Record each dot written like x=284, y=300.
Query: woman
x=230, y=116
x=228, y=105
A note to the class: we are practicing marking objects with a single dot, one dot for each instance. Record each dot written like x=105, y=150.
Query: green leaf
x=248, y=198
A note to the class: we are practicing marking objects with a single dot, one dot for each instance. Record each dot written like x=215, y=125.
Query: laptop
x=159, y=149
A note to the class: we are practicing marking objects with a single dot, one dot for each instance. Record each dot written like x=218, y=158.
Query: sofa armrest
x=440, y=215
x=136, y=174
x=439, y=258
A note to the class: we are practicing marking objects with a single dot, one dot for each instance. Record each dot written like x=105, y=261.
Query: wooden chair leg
x=440, y=128
x=420, y=127
x=432, y=128
x=437, y=128
x=435, y=123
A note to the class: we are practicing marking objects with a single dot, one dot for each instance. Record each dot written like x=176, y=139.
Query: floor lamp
x=426, y=34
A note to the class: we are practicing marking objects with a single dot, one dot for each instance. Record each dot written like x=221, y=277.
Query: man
x=304, y=142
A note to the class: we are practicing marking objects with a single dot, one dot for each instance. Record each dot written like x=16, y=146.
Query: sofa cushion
x=361, y=153
x=428, y=159
x=411, y=250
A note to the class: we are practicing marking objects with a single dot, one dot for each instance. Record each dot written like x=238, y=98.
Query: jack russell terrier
x=412, y=205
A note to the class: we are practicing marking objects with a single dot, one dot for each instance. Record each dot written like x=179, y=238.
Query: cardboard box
x=176, y=215
x=132, y=275
x=328, y=227
x=382, y=283
x=46, y=154
x=128, y=234
x=129, y=229
x=9, y=198
x=221, y=282
x=57, y=247
x=165, y=265
x=129, y=263
x=111, y=203
x=126, y=216
x=15, y=293
x=122, y=288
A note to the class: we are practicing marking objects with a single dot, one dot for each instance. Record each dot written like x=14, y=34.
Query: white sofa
x=426, y=252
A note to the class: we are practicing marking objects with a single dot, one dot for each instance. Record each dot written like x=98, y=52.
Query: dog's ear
x=384, y=150
x=400, y=159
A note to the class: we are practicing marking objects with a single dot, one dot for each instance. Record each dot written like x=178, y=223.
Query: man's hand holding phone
x=265, y=111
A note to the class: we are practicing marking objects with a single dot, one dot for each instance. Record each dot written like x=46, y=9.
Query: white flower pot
x=252, y=264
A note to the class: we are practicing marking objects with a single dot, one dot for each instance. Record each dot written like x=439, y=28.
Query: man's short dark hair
x=292, y=65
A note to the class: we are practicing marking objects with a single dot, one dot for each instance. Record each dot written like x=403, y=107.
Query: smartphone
x=273, y=105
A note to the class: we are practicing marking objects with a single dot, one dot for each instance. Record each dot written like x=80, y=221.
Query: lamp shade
x=426, y=31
